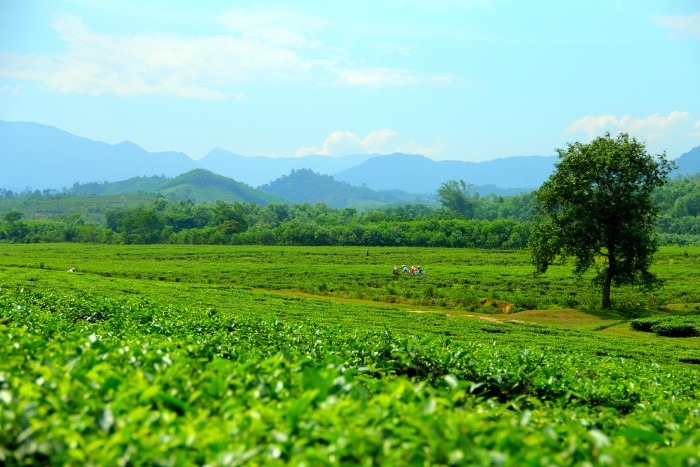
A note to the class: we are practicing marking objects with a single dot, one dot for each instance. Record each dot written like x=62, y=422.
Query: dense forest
x=461, y=220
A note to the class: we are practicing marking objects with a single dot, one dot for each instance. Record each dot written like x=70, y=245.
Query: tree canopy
x=455, y=195
x=598, y=204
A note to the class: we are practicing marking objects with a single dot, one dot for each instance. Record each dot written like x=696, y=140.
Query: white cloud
x=265, y=46
x=165, y=64
x=672, y=133
x=382, y=77
x=342, y=143
x=696, y=130
x=279, y=25
x=684, y=25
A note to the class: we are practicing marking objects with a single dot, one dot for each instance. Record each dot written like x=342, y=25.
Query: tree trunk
x=609, y=274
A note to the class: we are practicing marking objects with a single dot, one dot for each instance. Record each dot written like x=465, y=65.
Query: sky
x=470, y=80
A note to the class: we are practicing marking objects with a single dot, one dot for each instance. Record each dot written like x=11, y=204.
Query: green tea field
x=218, y=355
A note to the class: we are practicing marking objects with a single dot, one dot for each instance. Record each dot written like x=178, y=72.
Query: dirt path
x=568, y=318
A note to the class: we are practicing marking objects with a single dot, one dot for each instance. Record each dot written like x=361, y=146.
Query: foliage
x=496, y=221
x=669, y=326
x=93, y=372
x=598, y=203
x=455, y=195
x=307, y=186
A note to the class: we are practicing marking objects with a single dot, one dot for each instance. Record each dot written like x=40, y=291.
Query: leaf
x=452, y=381
x=173, y=403
x=429, y=407
x=299, y=406
x=640, y=434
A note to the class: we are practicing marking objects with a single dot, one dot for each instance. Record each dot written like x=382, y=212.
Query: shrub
x=643, y=324
x=676, y=328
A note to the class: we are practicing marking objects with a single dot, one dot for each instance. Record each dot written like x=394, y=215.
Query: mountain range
x=35, y=156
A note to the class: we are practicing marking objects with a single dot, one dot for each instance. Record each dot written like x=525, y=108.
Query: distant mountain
x=307, y=186
x=689, y=162
x=199, y=185
x=419, y=174
x=40, y=156
x=259, y=170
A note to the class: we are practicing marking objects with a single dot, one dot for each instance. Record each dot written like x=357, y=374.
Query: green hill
x=200, y=185
x=131, y=185
x=92, y=200
x=307, y=186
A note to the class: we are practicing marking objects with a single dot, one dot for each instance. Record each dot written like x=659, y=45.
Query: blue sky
x=451, y=79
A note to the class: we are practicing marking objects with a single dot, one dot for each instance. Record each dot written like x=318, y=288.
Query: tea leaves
x=112, y=365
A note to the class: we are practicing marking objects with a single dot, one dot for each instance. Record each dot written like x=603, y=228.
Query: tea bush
x=110, y=365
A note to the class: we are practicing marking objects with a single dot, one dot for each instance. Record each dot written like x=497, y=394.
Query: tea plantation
x=189, y=355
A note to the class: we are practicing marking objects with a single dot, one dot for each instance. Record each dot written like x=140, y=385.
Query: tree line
x=236, y=223
x=463, y=219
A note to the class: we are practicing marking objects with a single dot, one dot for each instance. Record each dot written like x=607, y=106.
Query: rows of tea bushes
x=100, y=378
x=670, y=326
x=457, y=279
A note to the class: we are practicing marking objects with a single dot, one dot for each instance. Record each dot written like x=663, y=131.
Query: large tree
x=456, y=195
x=597, y=205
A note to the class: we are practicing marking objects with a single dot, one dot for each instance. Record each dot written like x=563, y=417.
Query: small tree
x=455, y=195
x=597, y=203
x=13, y=229
x=12, y=217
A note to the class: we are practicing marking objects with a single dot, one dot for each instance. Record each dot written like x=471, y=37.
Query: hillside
x=307, y=186
x=689, y=162
x=92, y=200
x=198, y=185
x=259, y=170
x=131, y=185
x=41, y=157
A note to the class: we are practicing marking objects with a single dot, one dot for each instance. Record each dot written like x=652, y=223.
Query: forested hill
x=307, y=186
x=202, y=185
x=301, y=186
x=198, y=185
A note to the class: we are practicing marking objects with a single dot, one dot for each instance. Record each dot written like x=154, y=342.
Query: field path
x=566, y=318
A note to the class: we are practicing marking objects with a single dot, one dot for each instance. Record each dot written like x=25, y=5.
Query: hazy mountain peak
x=40, y=156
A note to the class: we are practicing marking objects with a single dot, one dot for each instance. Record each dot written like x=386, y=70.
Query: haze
x=463, y=80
